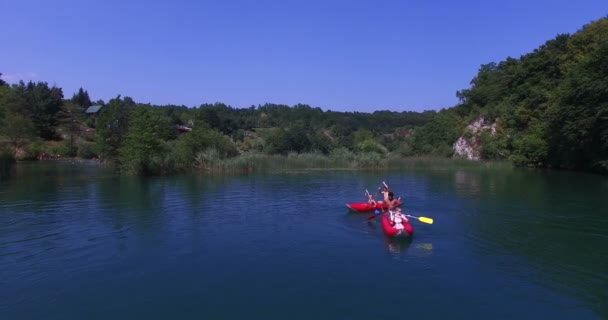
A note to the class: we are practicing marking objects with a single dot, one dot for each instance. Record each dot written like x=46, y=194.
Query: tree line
x=549, y=107
x=142, y=138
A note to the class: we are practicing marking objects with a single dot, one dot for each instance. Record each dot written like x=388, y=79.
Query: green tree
x=200, y=139
x=438, y=135
x=579, y=121
x=41, y=103
x=18, y=130
x=113, y=125
x=82, y=98
x=143, y=149
x=70, y=116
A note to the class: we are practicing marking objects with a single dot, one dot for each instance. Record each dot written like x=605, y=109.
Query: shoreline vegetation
x=545, y=109
x=260, y=162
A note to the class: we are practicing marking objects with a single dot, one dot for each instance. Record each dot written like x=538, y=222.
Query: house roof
x=94, y=109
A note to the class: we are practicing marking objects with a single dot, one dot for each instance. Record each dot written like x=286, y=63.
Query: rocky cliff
x=468, y=146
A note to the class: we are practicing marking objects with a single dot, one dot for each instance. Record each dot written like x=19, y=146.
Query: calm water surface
x=77, y=242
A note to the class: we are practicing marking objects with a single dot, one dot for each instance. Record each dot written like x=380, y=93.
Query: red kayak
x=365, y=206
x=391, y=231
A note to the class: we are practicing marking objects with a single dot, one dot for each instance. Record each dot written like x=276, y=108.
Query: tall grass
x=395, y=161
x=212, y=161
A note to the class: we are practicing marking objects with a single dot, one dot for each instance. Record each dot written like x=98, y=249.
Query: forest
x=549, y=108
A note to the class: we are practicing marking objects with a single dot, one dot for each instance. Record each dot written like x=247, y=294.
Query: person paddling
x=395, y=215
x=390, y=203
x=370, y=199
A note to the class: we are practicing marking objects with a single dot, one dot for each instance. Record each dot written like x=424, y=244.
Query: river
x=78, y=242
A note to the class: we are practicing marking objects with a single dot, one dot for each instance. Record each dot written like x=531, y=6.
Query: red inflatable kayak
x=365, y=206
x=391, y=231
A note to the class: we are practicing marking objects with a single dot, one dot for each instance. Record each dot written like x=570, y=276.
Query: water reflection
x=552, y=220
x=7, y=169
x=521, y=230
x=397, y=246
x=469, y=182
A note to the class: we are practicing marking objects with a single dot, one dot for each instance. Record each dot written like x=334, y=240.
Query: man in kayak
x=389, y=200
x=395, y=215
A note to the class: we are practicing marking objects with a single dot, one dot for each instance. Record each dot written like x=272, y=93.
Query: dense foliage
x=551, y=106
x=139, y=138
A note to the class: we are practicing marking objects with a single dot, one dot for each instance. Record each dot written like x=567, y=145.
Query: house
x=93, y=111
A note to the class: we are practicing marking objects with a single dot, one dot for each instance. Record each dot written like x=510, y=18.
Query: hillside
x=549, y=108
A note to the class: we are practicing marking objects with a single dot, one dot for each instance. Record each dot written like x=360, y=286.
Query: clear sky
x=338, y=55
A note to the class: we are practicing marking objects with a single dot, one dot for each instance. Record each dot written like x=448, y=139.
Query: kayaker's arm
x=370, y=198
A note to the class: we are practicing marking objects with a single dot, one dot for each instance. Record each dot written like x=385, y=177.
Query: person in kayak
x=396, y=217
x=370, y=199
x=389, y=200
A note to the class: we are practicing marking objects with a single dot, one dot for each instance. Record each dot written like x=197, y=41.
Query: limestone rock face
x=468, y=145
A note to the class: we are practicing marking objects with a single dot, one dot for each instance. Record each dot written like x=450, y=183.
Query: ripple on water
x=293, y=236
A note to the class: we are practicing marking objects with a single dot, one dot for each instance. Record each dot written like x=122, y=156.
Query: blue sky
x=337, y=55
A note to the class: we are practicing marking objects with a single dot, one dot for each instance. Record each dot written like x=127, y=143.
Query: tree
x=579, y=121
x=15, y=127
x=18, y=130
x=70, y=117
x=41, y=103
x=200, y=139
x=438, y=135
x=143, y=149
x=112, y=126
x=82, y=98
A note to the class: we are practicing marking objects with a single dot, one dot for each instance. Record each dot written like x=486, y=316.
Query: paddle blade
x=372, y=217
x=426, y=220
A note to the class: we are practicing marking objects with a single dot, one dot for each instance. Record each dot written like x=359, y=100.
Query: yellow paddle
x=421, y=219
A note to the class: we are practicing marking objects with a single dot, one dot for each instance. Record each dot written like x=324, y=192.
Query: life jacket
x=397, y=220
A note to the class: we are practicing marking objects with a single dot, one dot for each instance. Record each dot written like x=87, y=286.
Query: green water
x=77, y=242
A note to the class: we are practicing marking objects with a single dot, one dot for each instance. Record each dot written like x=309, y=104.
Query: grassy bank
x=210, y=161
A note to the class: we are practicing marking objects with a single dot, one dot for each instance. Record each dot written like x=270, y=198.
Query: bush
x=530, y=150
x=208, y=159
x=493, y=147
x=405, y=149
x=63, y=149
x=368, y=160
x=342, y=155
x=33, y=150
x=86, y=151
x=443, y=150
x=370, y=145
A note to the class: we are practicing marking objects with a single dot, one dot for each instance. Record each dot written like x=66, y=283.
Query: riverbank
x=210, y=162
